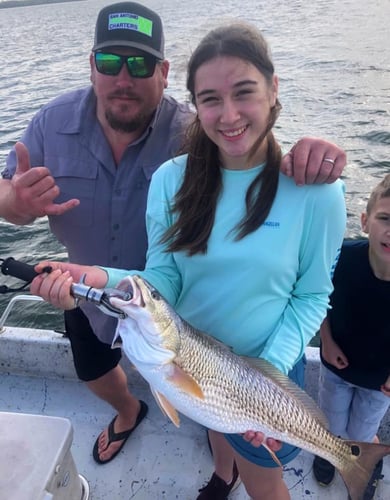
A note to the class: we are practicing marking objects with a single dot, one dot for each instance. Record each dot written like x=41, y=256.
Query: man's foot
x=117, y=436
x=373, y=482
x=217, y=488
x=323, y=471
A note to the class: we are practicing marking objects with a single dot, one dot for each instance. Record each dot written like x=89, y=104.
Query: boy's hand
x=385, y=388
x=332, y=353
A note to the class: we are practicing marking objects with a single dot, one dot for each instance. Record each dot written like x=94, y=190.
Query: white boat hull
x=159, y=461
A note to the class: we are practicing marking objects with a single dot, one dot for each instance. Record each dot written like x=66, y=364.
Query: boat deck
x=159, y=461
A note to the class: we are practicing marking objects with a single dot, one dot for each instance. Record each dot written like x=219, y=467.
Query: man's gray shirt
x=108, y=227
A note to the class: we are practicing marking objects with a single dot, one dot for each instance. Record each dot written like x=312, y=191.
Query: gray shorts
x=353, y=412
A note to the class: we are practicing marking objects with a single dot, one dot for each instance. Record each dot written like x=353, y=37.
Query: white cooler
x=35, y=459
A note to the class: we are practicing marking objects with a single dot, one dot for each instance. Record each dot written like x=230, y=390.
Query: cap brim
x=133, y=45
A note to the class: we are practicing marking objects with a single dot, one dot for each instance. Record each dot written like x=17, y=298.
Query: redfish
x=192, y=373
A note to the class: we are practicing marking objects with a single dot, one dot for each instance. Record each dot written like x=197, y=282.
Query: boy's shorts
x=92, y=358
x=261, y=456
x=353, y=412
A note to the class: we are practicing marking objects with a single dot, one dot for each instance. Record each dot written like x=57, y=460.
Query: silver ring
x=329, y=160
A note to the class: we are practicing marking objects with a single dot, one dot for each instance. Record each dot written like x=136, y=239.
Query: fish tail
x=358, y=471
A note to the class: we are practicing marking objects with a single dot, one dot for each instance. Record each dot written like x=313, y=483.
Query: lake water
x=332, y=58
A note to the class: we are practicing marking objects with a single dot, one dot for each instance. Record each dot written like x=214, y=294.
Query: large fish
x=190, y=372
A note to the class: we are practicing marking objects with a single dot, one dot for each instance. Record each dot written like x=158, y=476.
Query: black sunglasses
x=137, y=66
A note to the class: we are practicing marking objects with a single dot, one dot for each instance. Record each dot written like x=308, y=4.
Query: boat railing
x=11, y=304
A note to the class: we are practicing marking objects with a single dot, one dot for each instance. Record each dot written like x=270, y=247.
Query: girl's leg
x=262, y=483
x=223, y=456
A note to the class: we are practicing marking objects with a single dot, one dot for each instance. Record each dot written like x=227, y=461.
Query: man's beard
x=138, y=122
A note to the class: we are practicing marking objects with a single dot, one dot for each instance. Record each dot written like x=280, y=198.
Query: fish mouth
x=142, y=290
x=137, y=298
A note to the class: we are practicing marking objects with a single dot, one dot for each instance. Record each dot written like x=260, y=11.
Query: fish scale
x=191, y=372
x=251, y=405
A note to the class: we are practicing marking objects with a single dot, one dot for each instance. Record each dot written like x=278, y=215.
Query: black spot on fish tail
x=358, y=470
x=355, y=450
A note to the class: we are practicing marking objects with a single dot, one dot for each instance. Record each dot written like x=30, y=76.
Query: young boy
x=355, y=337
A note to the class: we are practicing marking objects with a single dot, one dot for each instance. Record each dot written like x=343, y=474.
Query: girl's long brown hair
x=195, y=202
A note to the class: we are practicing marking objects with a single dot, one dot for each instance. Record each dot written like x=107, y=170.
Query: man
x=102, y=145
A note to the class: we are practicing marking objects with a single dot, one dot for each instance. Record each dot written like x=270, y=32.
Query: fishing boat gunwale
x=147, y=468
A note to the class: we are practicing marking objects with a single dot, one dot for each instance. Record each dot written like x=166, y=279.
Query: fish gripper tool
x=100, y=297
x=80, y=291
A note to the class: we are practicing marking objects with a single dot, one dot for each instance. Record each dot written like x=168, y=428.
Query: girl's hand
x=257, y=439
x=55, y=288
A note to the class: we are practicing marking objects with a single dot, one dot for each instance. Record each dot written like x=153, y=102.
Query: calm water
x=332, y=58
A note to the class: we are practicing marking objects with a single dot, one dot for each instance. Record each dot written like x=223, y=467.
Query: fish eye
x=153, y=292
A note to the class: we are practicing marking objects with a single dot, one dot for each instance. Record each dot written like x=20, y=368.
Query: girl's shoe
x=217, y=488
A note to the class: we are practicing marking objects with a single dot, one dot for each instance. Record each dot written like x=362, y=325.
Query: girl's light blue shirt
x=265, y=295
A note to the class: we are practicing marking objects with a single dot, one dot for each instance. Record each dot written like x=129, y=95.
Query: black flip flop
x=113, y=436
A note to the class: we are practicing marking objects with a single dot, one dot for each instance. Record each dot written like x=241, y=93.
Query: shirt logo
x=271, y=223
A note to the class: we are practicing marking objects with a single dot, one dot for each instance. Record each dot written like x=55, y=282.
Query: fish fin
x=358, y=470
x=273, y=454
x=166, y=407
x=185, y=382
x=269, y=370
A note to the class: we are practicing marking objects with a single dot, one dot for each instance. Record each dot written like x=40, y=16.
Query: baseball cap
x=129, y=24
